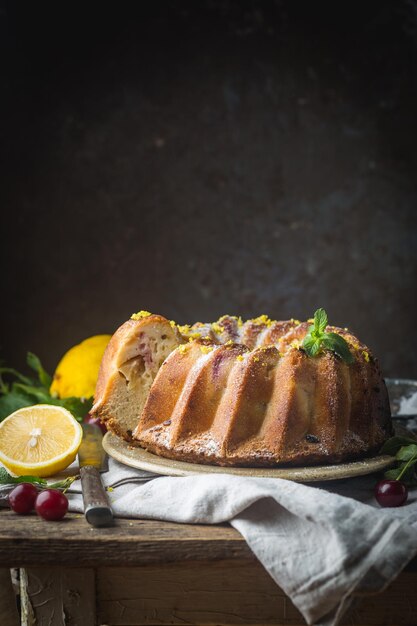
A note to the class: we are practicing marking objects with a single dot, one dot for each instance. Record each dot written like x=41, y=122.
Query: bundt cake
x=255, y=393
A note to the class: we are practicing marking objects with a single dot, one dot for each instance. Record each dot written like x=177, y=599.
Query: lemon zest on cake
x=206, y=349
x=239, y=357
x=140, y=315
x=294, y=321
x=184, y=329
x=183, y=349
x=262, y=319
x=226, y=318
x=365, y=355
x=173, y=324
x=194, y=336
x=229, y=343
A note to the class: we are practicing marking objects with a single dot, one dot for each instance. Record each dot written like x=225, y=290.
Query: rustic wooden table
x=146, y=572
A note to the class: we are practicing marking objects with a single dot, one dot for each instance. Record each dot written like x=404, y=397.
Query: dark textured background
x=198, y=158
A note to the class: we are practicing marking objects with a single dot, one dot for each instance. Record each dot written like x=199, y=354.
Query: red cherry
x=90, y=419
x=51, y=504
x=22, y=498
x=391, y=493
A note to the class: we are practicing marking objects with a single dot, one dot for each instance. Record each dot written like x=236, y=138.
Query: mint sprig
x=18, y=391
x=317, y=339
x=405, y=451
x=41, y=483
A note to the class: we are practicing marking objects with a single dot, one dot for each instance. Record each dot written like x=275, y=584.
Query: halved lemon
x=39, y=440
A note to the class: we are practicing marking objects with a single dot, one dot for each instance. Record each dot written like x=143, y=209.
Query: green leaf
x=9, y=370
x=10, y=402
x=7, y=479
x=392, y=474
x=316, y=339
x=320, y=320
x=311, y=345
x=38, y=394
x=405, y=474
x=392, y=445
x=34, y=362
x=406, y=453
x=336, y=343
x=25, y=391
x=79, y=408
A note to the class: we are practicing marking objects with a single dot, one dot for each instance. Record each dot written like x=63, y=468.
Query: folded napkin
x=320, y=544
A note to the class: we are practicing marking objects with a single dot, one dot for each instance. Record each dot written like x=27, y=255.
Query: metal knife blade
x=93, y=460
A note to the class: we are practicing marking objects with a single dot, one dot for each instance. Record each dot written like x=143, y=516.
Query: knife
x=93, y=460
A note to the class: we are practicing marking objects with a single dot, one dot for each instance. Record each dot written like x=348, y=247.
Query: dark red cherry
x=90, y=419
x=51, y=504
x=391, y=493
x=22, y=498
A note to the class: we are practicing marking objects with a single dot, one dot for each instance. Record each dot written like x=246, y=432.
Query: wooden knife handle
x=97, y=509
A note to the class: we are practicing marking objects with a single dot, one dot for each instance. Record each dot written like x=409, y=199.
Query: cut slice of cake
x=130, y=363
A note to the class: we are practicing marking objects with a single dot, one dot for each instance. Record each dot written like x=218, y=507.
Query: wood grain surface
x=30, y=540
x=200, y=593
x=229, y=593
x=146, y=572
x=8, y=607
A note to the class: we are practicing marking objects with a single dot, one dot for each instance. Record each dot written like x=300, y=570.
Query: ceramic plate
x=141, y=459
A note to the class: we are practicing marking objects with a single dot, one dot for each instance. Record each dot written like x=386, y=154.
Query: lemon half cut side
x=39, y=440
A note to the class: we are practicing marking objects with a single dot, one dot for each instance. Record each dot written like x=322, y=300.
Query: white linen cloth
x=319, y=543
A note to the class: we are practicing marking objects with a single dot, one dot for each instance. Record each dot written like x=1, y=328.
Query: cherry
x=51, y=504
x=391, y=493
x=90, y=419
x=22, y=498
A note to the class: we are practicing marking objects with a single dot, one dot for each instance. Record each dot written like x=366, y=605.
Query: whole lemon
x=77, y=372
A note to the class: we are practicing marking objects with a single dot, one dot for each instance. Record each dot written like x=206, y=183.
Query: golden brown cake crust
x=236, y=393
x=274, y=405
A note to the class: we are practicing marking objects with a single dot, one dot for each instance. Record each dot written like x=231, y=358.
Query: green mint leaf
x=406, y=453
x=320, y=321
x=12, y=372
x=392, y=445
x=336, y=343
x=407, y=473
x=317, y=339
x=7, y=479
x=392, y=474
x=311, y=345
x=38, y=394
x=10, y=402
x=79, y=408
x=34, y=362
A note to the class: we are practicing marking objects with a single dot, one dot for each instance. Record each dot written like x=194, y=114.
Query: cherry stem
x=407, y=465
x=62, y=484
